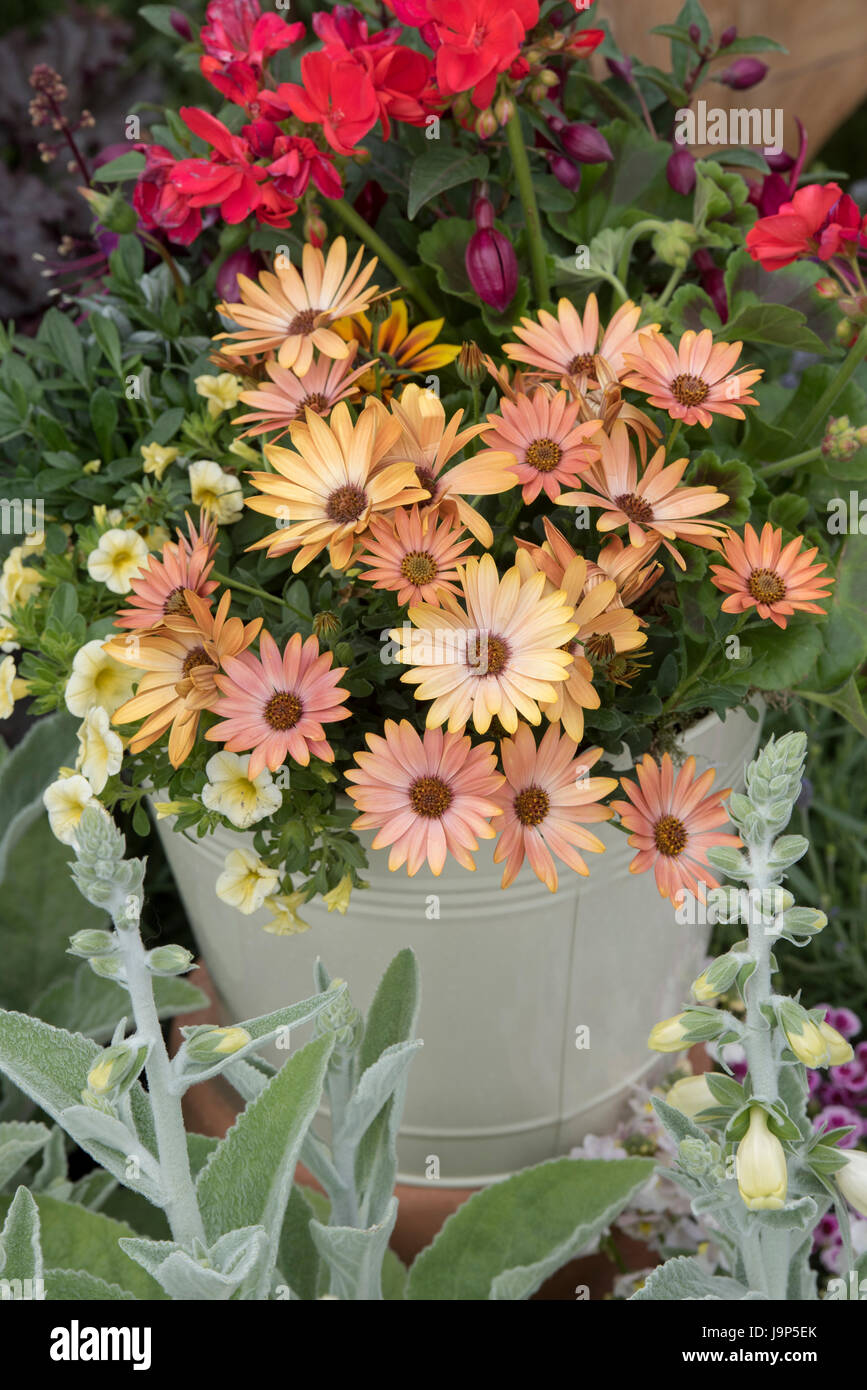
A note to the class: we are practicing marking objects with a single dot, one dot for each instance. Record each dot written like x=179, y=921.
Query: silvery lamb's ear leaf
x=248, y=1177
x=354, y=1256
x=26, y=772
x=18, y=1143
x=391, y=1019
x=262, y=1030
x=375, y=1086
x=20, y=1244
x=799, y=1215
x=86, y=1125
x=51, y=1066
x=54, y=1168
x=685, y=1278
x=76, y=1285
x=550, y=1212
x=249, y=1077
x=674, y=1120
x=297, y=1256
x=86, y=1003
x=232, y=1267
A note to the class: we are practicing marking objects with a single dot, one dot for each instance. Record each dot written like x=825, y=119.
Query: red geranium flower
x=237, y=81
x=297, y=161
x=159, y=203
x=818, y=221
x=479, y=40
x=228, y=178
x=237, y=29
x=401, y=80
x=339, y=96
x=344, y=27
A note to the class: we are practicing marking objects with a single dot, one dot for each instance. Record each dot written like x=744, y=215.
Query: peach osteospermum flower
x=290, y=313
x=603, y=626
x=566, y=346
x=502, y=654
x=414, y=555
x=327, y=487
x=158, y=590
x=180, y=662
x=282, y=400
x=654, y=504
x=430, y=442
x=276, y=706
x=546, y=798
x=426, y=797
x=414, y=350
x=673, y=824
x=633, y=571
x=541, y=439
x=693, y=381
x=764, y=574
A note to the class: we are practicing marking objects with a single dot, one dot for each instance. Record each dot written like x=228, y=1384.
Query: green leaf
x=160, y=18
x=20, y=1248
x=73, y=1236
x=87, y=1003
x=18, y=1143
x=509, y=1237
x=60, y=335
x=777, y=324
x=78, y=1286
x=782, y=657
x=684, y=1278
x=166, y=426
x=103, y=418
x=248, y=1177
x=262, y=1030
x=846, y=701
x=391, y=1020
x=754, y=43
x=126, y=166
x=26, y=772
x=443, y=247
x=106, y=334
x=736, y=479
x=297, y=1256
x=438, y=170
x=354, y=1256
x=844, y=633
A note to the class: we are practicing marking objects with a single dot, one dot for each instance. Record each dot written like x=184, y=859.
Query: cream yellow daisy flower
x=100, y=749
x=65, y=801
x=98, y=680
x=117, y=559
x=216, y=491
x=246, y=881
x=230, y=791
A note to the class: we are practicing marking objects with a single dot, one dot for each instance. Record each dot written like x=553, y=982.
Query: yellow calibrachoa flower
x=97, y=679
x=65, y=801
x=230, y=791
x=284, y=912
x=216, y=491
x=12, y=687
x=338, y=898
x=100, y=749
x=221, y=392
x=157, y=458
x=18, y=582
x=761, y=1165
x=246, y=881
x=92, y=466
x=120, y=555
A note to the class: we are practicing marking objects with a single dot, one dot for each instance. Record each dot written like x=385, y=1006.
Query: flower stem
x=768, y=470
x=853, y=359
x=527, y=195
x=258, y=593
x=675, y=431
x=405, y=277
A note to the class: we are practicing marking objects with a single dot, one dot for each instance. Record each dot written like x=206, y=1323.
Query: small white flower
x=230, y=791
x=100, y=750
x=219, y=492
x=246, y=881
x=65, y=801
x=97, y=679
x=12, y=687
x=117, y=559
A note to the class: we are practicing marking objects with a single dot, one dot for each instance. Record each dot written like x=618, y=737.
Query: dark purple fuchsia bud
x=780, y=163
x=694, y=33
x=181, y=24
x=556, y=124
x=620, y=67
x=584, y=143
x=370, y=201
x=728, y=36
x=743, y=73
x=680, y=171
x=492, y=267
x=566, y=172
x=241, y=262
x=483, y=212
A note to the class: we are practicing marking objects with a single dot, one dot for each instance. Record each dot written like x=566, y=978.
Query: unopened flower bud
x=828, y=288
x=728, y=36
x=585, y=143
x=241, y=262
x=111, y=210
x=845, y=332
x=761, y=1166
x=719, y=976
x=839, y=1050
x=852, y=1179
x=694, y=33
x=673, y=243
x=210, y=1044
x=690, y=1095
x=108, y=967
x=504, y=110
x=680, y=171
x=806, y=1041
x=668, y=1036
x=361, y=156
x=620, y=67
x=780, y=163
x=92, y=943
x=492, y=268
x=115, y=1065
x=181, y=24
x=695, y=1156
x=840, y=441
x=548, y=78
x=565, y=172
x=486, y=124
x=325, y=623
x=743, y=73
x=169, y=960
x=470, y=366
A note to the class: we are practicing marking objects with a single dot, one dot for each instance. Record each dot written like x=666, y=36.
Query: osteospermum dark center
x=303, y=323
x=428, y=480
x=670, y=835
x=493, y=655
x=689, y=390
x=600, y=645
x=532, y=806
x=543, y=455
x=766, y=586
x=283, y=710
x=634, y=506
x=431, y=797
x=346, y=504
x=315, y=401
x=197, y=657
x=177, y=603
x=584, y=362
x=419, y=567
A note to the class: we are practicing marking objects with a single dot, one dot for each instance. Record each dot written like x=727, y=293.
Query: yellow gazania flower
x=100, y=749
x=216, y=491
x=97, y=680
x=221, y=392
x=284, y=913
x=246, y=881
x=291, y=313
x=230, y=791
x=430, y=442
x=157, y=458
x=12, y=687
x=327, y=487
x=119, y=556
x=65, y=801
x=502, y=654
x=415, y=350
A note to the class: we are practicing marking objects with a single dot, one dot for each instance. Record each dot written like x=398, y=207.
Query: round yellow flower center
x=197, y=657
x=635, y=507
x=670, y=835
x=543, y=455
x=176, y=603
x=283, y=710
x=431, y=797
x=532, y=806
x=582, y=363
x=689, y=390
x=346, y=504
x=303, y=323
x=766, y=586
x=419, y=567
